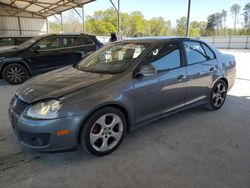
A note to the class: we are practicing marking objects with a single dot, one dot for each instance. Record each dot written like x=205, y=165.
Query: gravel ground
x=195, y=148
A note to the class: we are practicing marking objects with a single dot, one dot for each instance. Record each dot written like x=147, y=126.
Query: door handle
x=180, y=77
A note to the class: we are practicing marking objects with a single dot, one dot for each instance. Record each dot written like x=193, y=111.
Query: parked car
x=8, y=42
x=45, y=53
x=119, y=88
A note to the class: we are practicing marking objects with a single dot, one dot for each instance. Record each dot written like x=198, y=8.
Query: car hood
x=5, y=52
x=58, y=83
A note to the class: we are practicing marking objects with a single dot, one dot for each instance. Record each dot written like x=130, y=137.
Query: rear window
x=194, y=52
x=209, y=52
x=20, y=40
x=87, y=41
x=72, y=41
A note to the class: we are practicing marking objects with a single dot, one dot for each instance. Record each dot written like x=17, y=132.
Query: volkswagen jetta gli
x=116, y=89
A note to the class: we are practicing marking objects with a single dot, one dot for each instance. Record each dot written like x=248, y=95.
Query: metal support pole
x=118, y=15
x=83, y=20
x=19, y=25
x=81, y=16
x=119, y=20
x=188, y=15
x=62, y=29
x=47, y=24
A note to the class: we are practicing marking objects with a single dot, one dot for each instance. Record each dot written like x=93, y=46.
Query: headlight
x=44, y=110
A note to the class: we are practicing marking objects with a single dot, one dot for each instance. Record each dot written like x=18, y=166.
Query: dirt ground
x=195, y=148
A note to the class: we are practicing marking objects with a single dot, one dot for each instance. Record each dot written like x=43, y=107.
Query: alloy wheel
x=219, y=94
x=106, y=132
x=15, y=74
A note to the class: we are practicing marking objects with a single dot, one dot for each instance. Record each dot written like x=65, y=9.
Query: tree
x=55, y=27
x=246, y=14
x=137, y=23
x=214, y=21
x=224, y=19
x=197, y=29
x=158, y=26
x=181, y=26
x=235, y=10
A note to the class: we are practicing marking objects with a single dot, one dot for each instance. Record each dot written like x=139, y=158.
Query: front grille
x=34, y=139
x=17, y=105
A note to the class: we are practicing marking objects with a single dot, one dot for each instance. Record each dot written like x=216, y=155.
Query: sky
x=170, y=9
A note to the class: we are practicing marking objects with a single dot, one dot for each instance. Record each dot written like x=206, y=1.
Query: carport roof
x=45, y=8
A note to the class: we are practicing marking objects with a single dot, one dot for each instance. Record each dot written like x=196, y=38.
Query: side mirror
x=146, y=70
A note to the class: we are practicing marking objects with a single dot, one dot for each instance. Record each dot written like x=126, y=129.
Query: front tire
x=103, y=131
x=15, y=73
x=218, y=95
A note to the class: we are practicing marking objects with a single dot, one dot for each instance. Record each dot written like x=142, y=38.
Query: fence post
x=229, y=42
x=247, y=40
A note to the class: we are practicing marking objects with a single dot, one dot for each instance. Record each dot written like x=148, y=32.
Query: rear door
x=74, y=48
x=201, y=66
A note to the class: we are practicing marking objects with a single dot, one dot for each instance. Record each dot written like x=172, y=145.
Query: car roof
x=158, y=39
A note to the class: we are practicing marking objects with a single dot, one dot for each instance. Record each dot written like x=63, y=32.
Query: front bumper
x=42, y=135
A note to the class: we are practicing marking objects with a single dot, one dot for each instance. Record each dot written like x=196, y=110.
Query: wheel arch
x=220, y=78
x=114, y=105
x=13, y=62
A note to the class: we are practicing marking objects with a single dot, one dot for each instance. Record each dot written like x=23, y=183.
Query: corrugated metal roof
x=45, y=8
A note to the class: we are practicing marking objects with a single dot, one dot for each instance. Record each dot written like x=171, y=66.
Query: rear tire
x=103, y=131
x=15, y=73
x=218, y=95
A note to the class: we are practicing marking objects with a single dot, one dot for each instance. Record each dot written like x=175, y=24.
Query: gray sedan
x=116, y=89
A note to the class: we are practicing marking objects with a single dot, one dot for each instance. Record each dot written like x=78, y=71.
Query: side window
x=48, y=43
x=194, y=52
x=87, y=41
x=209, y=52
x=72, y=41
x=164, y=57
x=7, y=41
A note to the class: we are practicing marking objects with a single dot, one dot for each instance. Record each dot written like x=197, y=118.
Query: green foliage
x=135, y=24
x=181, y=26
x=55, y=27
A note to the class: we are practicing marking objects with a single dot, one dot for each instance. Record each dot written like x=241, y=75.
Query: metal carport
x=17, y=10
x=44, y=8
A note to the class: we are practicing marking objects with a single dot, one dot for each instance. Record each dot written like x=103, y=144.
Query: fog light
x=62, y=132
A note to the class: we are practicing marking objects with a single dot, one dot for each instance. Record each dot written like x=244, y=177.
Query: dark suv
x=45, y=53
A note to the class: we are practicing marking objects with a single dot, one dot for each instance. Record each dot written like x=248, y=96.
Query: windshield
x=114, y=58
x=28, y=43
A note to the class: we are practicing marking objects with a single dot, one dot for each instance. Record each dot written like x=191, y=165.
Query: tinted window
x=164, y=57
x=194, y=52
x=72, y=41
x=87, y=41
x=209, y=52
x=7, y=41
x=21, y=40
x=48, y=43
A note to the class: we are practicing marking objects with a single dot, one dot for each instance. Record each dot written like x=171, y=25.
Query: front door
x=45, y=55
x=166, y=90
